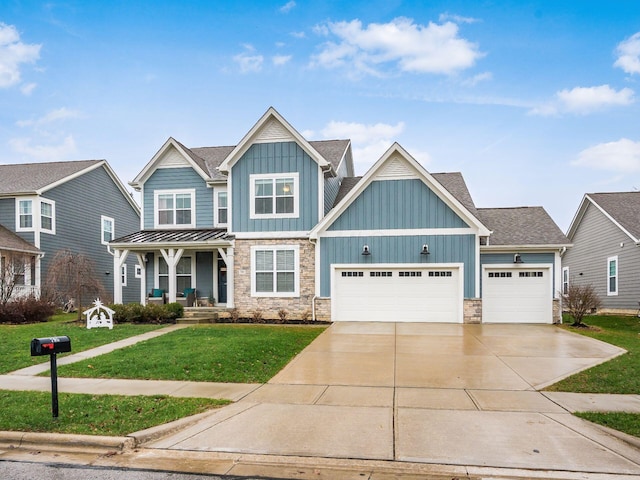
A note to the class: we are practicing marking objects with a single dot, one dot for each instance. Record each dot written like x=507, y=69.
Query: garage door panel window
x=275, y=271
x=499, y=274
x=530, y=274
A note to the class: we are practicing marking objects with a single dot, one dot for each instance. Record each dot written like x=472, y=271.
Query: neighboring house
x=279, y=222
x=18, y=259
x=78, y=206
x=605, y=233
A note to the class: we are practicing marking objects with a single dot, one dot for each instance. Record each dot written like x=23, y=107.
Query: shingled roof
x=521, y=226
x=32, y=178
x=12, y=242
x=623, y=207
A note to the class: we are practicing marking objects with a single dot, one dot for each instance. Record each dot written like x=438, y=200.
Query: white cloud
x=61, y=151
x=620, y=156
x=28, y=88
x=13, y=53
x=247, y=61
x=53, y=116
x=287, y=7
x=412, y=47
x=298, y=34
x=584, y=100
x=281, y=59
x=473, y=81
x=629, y=54
x=456, y=18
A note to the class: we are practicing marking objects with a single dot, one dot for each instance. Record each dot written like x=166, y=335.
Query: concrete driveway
x=428, y=393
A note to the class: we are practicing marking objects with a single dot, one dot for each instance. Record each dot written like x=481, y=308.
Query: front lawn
x=620, y=375
x=95, y=414
x=16, y=349
x=203, y=353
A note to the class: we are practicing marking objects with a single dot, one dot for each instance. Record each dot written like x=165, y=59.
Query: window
x=123, y=275
x=274, y=196
x=108, y=229
x=274, y=271
x=612, y=276
x=183, y=274
x=25, y=214
x=47, y=216
x=221, y=208
x=137, y=271
x=499, y=274
x=175, y=208
x=163, y=274
x=565, y=280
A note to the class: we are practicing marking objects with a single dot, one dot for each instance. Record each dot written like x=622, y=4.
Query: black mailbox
x=50, y=345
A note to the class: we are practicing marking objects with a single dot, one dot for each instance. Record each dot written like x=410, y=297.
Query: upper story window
x=174, y=209
x=612, y=275
x=25, y=214
x=221, y=208
x=35, y=214
x=274, y=195
x=108, y=229
x=47, y=216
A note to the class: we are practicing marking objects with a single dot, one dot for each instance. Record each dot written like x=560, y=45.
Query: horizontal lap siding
x=80, y=203
x=282, y=157
x=399, y=249
x=178, y=179
x=595, y=240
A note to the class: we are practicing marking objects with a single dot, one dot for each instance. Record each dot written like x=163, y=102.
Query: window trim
x=565, y=280
x=613, y=293
x=103, y=231
x=34, y=216
x=188, y=191
x=123, y=275
x=274, y=176
x=216, y=207
x=156, y=270
x=51, y=230
x=137, y=271
x=296, y=271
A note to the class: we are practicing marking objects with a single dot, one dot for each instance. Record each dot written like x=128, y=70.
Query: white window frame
x=565, y=280
x=137, y=272
x=274, y=176
x=123, y=275
x=156, y=195
x=104, y=219
x=34, y=217
x=610, y=292
x=156, y=271
x=296, y=271
x=216, y=207
x=51, y=230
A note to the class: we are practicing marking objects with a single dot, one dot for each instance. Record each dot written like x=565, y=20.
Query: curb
x=154, y=433
x=65, y=442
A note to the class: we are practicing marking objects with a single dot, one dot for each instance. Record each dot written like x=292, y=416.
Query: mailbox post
x=51, y=346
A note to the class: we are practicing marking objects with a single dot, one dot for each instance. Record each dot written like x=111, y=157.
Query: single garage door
x=516, y=295
x=383, y=294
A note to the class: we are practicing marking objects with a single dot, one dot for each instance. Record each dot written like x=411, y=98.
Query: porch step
x=196, y=315
x=196, y=320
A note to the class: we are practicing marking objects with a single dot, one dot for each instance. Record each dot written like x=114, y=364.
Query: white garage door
x=383, y=294
x=516, y=295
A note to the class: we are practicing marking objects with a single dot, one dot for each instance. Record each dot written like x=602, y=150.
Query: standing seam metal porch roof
x=146, y=237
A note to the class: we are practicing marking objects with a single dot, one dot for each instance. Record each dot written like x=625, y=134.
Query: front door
x=222, y=281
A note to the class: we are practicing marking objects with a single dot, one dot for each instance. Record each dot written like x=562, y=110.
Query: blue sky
x=536, y=103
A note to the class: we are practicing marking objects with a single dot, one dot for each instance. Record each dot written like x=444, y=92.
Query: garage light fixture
x=517, y=258
x=425, y=250
x=365, y=250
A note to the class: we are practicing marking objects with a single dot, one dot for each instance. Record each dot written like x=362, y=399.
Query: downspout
x=313, y=300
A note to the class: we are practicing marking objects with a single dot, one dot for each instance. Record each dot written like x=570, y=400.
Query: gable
x=171, y=158
x=274, y=131
x=397, y=204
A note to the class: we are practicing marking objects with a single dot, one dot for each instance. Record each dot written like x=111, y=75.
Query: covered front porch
x=193, y=267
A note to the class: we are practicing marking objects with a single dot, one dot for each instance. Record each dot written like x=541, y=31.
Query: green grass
x=624, y=422
x=95, y=414
x=15, y=351
x=619, y=375
x=203, y=353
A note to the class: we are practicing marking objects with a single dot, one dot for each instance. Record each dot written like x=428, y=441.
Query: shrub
x=26, y=310
x=282, y=313
x=174, y=310
x=120, y=313
x=234, y=314
x=580, y=300
x=305, y=316
x=257, y=315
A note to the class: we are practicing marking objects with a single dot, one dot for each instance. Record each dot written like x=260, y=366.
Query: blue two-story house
x=281, y=223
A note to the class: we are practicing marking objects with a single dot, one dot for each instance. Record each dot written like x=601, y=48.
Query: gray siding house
x=280, y=222
x=605, y=233
x=78, y=206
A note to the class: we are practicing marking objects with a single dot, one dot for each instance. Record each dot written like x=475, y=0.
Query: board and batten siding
x=397, y=204
x=596, y=239
x=399, y=250
x=279, y=157
x=80, y=204
x=527, y=258
x=179, y=179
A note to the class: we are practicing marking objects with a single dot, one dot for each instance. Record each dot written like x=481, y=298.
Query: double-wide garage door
x=396, y=294
x=517, y=295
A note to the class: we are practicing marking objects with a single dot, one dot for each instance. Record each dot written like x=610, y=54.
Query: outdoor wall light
x=425, y=250
x=517, y=258
x=365, y=250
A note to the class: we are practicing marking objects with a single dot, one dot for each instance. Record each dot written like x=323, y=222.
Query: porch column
x=119, y=257
x=172, y=257
x=142, y=261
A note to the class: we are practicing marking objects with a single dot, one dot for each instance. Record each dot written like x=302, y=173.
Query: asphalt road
x=31, y=471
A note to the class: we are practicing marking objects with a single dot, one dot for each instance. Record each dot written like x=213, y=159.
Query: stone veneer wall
x=296, y=307
x=557, y=311
x=472, y=310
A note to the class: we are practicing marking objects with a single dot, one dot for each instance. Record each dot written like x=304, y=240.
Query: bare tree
x=12, y=272
x=580, y=300
x=73, y=276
